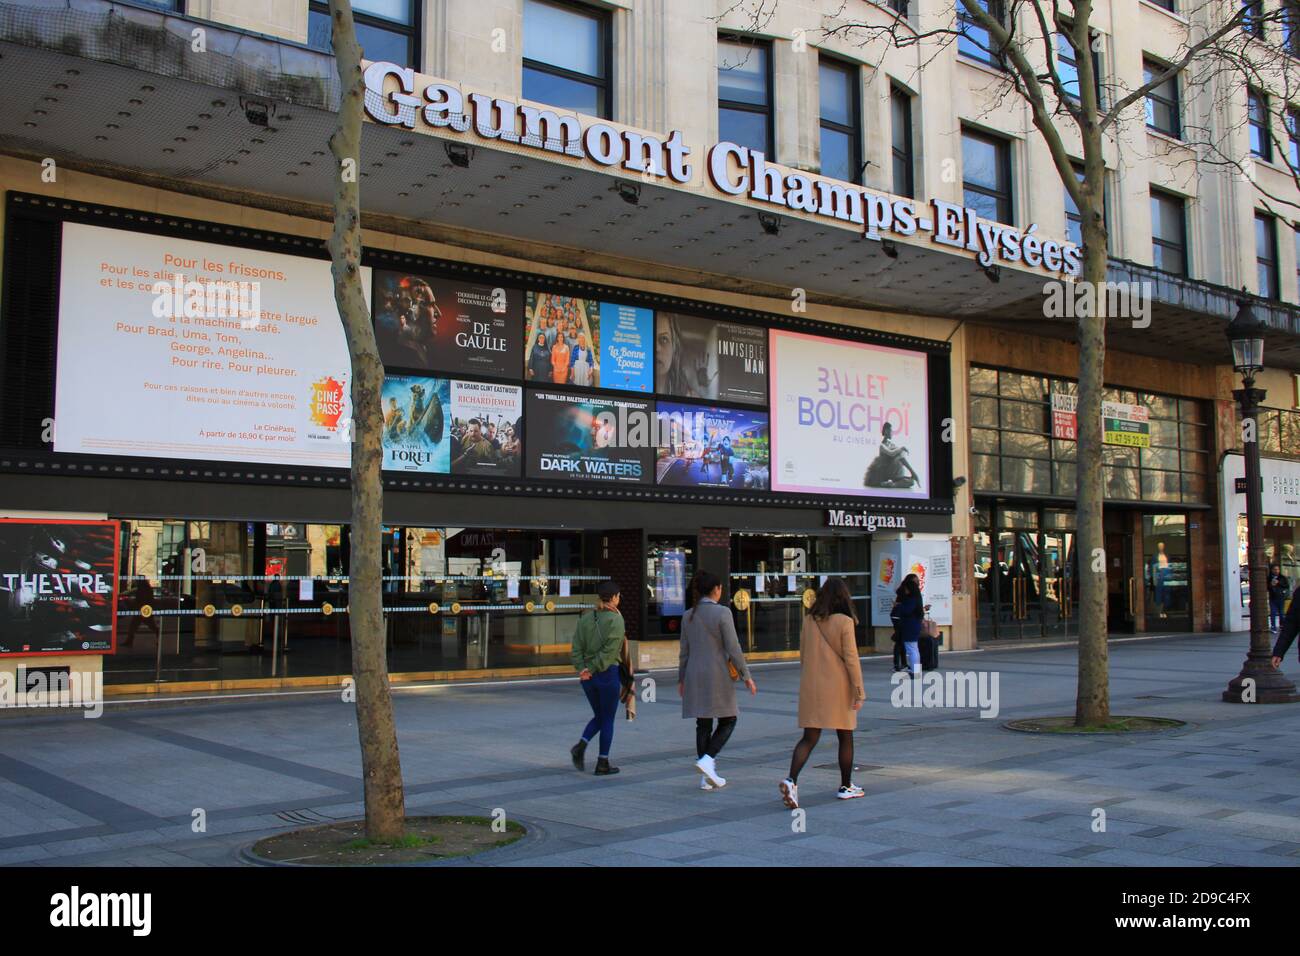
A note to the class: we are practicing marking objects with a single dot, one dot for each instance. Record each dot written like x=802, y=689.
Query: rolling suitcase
x=929, y=648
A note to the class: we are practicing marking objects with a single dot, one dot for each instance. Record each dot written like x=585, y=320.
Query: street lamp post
x=1258, y=681
x=135, y=547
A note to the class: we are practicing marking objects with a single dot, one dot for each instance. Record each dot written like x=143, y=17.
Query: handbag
x=929, y=628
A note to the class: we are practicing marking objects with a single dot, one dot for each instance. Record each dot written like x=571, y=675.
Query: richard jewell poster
x=848, y=418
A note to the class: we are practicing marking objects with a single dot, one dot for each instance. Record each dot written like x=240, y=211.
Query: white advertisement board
x=172, y=348
x=930, y=559
x=848, y=418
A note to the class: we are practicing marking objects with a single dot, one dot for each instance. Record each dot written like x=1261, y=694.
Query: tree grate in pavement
x=304, y=817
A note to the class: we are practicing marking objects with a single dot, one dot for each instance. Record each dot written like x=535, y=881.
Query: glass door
x=1059, y=575
x=1166, y=573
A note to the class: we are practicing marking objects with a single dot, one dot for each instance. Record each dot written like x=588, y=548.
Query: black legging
x=710, y=741
x=804, y=748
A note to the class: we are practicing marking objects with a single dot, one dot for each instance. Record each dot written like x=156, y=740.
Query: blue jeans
x=1275, y=612
x=602, y=693
x=913, y=656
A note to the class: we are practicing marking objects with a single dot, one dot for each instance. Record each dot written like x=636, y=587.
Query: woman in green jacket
x=597, y=646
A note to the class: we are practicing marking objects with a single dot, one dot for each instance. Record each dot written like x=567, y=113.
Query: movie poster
x=562, y=340
x=487, y=429
x=715, y=361
x=712, y=448
x=578, y=438
x=444, y=325
x=58, y=590
x=848, y=418
x=626, y=332
x=417, y=432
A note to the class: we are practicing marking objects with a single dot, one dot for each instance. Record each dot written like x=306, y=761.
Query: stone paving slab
x=944, y=787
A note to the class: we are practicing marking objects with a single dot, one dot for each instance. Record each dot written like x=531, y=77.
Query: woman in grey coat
x=703, y=681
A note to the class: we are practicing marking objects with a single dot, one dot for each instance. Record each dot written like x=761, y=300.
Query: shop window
x=1163, y=113
x=566, y=57
x=1020, y=445
x=986, y=175
x=841, y=120
x=1028, y=387
x=986, y=473
x=386, y=29
x=984, y=440
x=1065, y=479
x=904, y=158
x=983, y=381
x=745, y=93
x=1024, y=416
x=984, y=411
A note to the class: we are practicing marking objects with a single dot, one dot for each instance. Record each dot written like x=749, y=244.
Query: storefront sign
x=391, y=99
x=848, y=418
x=1123, y=424
x=58, y=586
x=1065, y=418
x=838, y=518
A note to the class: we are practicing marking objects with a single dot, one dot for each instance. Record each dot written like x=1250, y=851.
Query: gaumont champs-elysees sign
x=392, y=99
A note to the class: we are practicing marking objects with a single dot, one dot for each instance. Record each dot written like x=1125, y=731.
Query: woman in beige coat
x=830, y=686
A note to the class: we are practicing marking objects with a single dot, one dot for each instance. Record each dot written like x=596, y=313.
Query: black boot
x=603, y=768
x=579, y=754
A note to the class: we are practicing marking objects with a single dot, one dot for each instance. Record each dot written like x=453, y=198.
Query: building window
x=1291, y=27
x=900, y=107
x=1261, y=143
x=1267, y=278
x=745, y=93
x=1293, y=135
x=1067, y=66
x=386, y=29
x=1168, y=232
x=986, y=175
x=1165, y=4
x=1162, y=101
x=899, y=7
x=1017, y=450
x=841, y=124
x=1296, y=234
x=1074, y=218
x=1253, y=21
x=975, y=41
x=566, y=57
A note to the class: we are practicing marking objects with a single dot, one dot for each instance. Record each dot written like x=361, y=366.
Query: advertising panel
x=443, y=325
x=714, y=361
x=1124, y=424
x=562, y=342
x=712, y=447
x=417, y=436
x=58, y=590
x=581, y=438
x=487, y=429
x=573, y=341
x=849, y=418
x=930, y=559
x=205, y=352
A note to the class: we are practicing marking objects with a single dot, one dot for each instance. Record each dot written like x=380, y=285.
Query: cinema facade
x=611, y=352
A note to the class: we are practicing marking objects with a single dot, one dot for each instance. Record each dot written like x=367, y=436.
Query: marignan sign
x=391, y=100
x=836, y=518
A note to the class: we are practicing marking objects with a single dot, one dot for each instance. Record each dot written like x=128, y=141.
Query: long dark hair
x=702, y=586
x=911, y=587
x=833, y=598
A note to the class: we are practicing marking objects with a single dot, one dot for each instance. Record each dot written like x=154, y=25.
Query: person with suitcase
x=910, y=609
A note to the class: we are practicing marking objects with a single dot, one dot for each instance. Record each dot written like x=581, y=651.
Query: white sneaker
x=790, y=793
x=850, y=792
x=706, y=766
x=704, y=783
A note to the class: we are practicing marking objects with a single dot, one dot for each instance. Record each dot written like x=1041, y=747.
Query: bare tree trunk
x=380, y=764
x=1092, y=703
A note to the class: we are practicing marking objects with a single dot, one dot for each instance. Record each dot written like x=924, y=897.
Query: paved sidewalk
x=944, y=787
